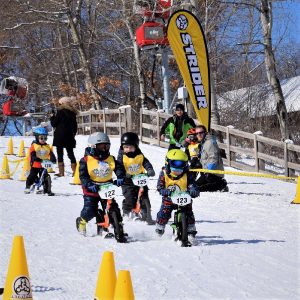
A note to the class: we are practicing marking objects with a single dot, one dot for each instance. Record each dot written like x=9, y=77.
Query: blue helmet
x=40, y=131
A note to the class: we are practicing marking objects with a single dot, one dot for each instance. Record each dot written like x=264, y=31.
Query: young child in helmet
x=191, y=144
x=96, y=167
x=175, y=176
x=39, y=151
x=134, y=162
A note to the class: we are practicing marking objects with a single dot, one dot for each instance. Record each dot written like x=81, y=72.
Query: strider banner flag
x=187, y=41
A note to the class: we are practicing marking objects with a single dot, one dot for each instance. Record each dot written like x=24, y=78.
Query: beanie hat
x=66, y=100
x=179, y=106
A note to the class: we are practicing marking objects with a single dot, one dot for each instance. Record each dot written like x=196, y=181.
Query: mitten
x=150, y=172
x=194, y=192
x=120, y=181
x=93, y=188
x=165, y=192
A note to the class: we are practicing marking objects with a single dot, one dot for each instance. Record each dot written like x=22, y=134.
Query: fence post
x=228, y=144
x=141, y=124
x=286, y=168
x=128, y=114
x=104, y=122
x=157, y=128
x=258, y=148
x=120, y=128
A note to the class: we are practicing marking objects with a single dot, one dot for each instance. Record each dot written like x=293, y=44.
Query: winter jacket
x=177, y=128
x=161, y=182
x=210, y=156
x=146, y=163
x=84, y=174
x=65, y=126
x=38, y=152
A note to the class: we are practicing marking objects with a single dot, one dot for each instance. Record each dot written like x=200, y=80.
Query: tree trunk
x=136, y=56
x=82, y=57
x=266, y=21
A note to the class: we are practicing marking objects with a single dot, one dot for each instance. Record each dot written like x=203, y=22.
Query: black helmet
x=130, y=138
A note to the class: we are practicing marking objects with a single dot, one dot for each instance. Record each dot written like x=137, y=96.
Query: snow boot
x=73, y=167
x=81, y=225
x=27, y=190
x=61, y=170
x=160, y=229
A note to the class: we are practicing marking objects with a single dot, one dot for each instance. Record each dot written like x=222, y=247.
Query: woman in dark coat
x=65, y=128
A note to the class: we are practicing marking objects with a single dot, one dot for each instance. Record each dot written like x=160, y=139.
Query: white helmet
x=98, y=138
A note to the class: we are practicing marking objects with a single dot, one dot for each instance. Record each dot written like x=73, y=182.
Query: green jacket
x=177, y=128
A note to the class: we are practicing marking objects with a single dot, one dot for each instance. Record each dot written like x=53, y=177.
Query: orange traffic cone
x=10, y=150
x=5, y=174
x=21, y=150
x=106, y=278
x=297, y=197
x=124, y=289
x=76, y=179
x=17, y=284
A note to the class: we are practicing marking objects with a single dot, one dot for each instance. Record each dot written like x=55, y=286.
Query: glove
x=165, y=192
x=194, y=192
x=151, y=173
x=212, y=166
x=120, y=181
x=93, y=188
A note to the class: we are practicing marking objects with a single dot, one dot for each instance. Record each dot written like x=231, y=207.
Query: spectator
x=210, y=158
x=65, y=129
x=176, y=127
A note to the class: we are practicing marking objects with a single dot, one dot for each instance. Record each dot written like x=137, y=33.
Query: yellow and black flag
x=187, y=41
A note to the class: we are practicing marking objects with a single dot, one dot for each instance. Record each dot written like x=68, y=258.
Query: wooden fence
x=114, y=122
x=245, y=151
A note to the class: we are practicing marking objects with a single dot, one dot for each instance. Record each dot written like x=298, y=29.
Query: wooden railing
x=111, y=121
x=245, y=151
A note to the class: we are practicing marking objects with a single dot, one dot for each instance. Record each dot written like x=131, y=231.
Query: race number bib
x=107, y=191
x=47, y=164
x=181, y=198
x=140, y=179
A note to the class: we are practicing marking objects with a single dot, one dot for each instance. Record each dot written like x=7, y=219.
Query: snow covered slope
x=247, y=245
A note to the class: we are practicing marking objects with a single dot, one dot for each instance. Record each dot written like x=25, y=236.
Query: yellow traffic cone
x=10, y=150
x=5, y=174
x=106, y=282
x=17, y=284
x=25, y=169
x=124, y=289
x=21, y=150
x=297, y=197
x=76, y=179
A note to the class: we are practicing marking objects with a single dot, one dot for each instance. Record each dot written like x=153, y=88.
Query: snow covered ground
x=247, y=245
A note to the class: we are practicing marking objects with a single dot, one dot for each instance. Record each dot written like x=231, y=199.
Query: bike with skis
x=137, y=213
x=108, y=215
x=180, y=200
x=43, y=183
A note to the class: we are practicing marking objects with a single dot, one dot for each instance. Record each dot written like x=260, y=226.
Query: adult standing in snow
x=210, y=158
x=65, y=129
x=176, y=127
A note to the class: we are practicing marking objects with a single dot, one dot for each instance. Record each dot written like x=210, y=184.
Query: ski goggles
x=43, y=137
x=103, y=147
x=177, y=164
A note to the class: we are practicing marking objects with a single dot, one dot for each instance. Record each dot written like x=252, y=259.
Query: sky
x=247, y=245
